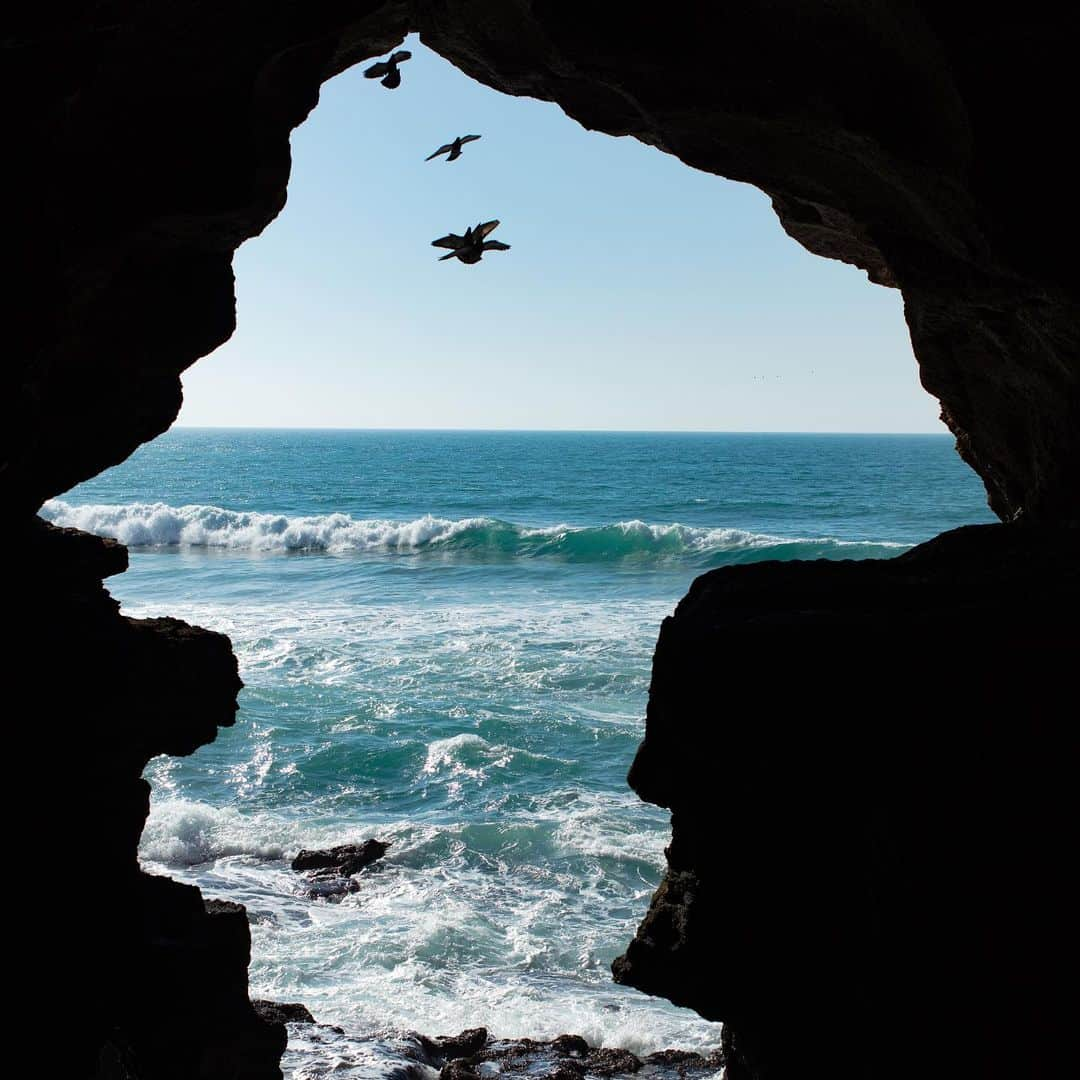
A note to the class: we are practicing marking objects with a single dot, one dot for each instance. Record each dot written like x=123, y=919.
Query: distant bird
x=389, y=69
x=470, y=247
x=453, y=147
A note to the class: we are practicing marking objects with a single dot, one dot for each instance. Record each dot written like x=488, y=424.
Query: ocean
x=446, y=640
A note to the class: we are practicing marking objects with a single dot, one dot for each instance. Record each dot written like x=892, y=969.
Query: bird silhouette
x=470, y=247
x=389, y=69
x=454, y=147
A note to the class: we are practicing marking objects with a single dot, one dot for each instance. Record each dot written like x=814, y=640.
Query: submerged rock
x=330, y=887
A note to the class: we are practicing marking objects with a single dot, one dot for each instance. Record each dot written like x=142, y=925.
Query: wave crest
x=161, y=525
x=181, y=832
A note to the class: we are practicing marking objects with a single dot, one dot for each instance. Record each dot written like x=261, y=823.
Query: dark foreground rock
x=832, y=767
x=281, y=1012
x=870, y=769
x=166, y=970
x=345, y=859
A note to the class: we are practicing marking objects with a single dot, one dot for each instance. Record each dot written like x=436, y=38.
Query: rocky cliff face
x=869, y=770
x=924, y=143
x=154, y=978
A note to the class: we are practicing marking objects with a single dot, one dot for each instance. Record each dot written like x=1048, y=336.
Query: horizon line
x=535, y=431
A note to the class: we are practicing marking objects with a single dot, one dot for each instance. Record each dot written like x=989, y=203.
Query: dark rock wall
x=869, y=767
x=153, y=139
x=925, y=143
x=156, y=142
x=130, y=975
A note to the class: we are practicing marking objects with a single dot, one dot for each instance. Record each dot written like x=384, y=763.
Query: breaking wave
x=211, y=527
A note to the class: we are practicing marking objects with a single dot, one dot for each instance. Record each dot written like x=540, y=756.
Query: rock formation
x=345, y=859
x=869, y=767
x=925, y=143
x=158, y=974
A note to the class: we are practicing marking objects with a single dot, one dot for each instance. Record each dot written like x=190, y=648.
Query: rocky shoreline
x=323, y=1050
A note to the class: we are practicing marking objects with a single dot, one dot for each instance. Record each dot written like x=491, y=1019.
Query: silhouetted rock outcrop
x=166, y=971
x=868, y=767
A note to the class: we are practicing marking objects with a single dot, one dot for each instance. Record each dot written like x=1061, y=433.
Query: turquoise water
x=445, y=639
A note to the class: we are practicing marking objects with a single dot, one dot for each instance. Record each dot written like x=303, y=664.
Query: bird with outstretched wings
x=387, y=70
x=453, y=148
x=470, y=247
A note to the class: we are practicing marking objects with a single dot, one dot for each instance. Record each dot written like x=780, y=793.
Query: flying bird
x=470, y=247
x=389, y=68
x=454, y=147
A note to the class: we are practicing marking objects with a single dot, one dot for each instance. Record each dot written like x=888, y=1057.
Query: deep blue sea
x=445, y=639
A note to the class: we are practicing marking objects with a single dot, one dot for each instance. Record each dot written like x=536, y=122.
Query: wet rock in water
x=568, y=1069
x=685, y=1062
x=445, y=1048
x=568, y=1057
x=574, y=1045
x=345, y=859
x=474, y=1055
x=330, y=887
x=329, y=871
x=459, y=1069
x=282, y=1012
x=609, y=1061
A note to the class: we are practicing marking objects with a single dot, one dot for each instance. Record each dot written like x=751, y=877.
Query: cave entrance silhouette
x=156, y=142
x=629, y=307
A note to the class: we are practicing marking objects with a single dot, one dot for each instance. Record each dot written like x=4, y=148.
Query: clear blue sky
x=639, y=294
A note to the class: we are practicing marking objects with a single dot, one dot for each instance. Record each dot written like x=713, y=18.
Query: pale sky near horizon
x=638, y=294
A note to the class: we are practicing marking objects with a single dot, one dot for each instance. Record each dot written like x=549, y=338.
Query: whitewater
x=160, y=525
x=445, y=639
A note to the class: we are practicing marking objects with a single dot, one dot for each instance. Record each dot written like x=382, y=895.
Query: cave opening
x=880, y=886
x=488, y=738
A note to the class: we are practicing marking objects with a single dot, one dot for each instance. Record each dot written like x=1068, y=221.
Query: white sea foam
x=458, y=753
x=181, y=832
x=161, y=525
x=463, y=924
x=549, y=646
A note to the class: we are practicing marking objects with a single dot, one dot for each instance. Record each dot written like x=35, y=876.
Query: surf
x=160, y=525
